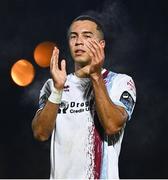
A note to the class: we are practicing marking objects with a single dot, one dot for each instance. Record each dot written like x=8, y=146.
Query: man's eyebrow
x=87, y=32
x=73, y=33
x=84, y=32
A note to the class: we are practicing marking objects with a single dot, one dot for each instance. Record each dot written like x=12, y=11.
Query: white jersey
x=79, y=146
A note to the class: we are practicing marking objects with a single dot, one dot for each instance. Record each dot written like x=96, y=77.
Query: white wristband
x=55, y=96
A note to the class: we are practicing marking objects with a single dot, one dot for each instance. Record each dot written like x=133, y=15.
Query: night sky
x=136, y=36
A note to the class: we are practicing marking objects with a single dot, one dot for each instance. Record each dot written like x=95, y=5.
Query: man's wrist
x=55, y=96
x=95, y=76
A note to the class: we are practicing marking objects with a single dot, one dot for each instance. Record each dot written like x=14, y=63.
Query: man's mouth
x=79, y=52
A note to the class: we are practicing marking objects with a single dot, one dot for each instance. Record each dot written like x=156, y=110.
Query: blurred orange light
x=43, y=53
x=22, y=72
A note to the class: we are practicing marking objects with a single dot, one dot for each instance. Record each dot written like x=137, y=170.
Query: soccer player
x=85, y=112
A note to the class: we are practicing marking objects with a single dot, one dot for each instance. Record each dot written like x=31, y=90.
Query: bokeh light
x=43, y=53
x=22, y=72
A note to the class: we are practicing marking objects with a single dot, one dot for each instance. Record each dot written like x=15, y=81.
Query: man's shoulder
x=48, y=82
x=123, y=76
x=117, y=75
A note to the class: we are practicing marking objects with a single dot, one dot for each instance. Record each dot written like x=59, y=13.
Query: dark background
x=137, y=34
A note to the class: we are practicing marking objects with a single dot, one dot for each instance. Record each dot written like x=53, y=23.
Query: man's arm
x=44, y=121
x=111, y=116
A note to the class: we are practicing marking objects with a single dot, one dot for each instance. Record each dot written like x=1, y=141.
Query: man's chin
x=82, y=62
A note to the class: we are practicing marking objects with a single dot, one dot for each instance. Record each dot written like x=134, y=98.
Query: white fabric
x=72, y=143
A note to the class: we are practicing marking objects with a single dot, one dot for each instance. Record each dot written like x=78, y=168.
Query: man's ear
x=102, y=43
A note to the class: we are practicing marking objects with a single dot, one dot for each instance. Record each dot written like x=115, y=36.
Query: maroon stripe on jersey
x=105, y=74
x=98, y=154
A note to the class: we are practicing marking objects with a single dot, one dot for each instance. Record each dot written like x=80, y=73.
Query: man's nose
x=79, y=41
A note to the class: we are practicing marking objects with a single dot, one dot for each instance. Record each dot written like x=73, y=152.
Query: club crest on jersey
x=66, y=88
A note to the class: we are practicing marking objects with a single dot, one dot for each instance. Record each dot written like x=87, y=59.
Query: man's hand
x=58, y=75
x=96, y=53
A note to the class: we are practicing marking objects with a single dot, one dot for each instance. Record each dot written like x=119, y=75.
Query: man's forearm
x=44, y=121
x=111, y=116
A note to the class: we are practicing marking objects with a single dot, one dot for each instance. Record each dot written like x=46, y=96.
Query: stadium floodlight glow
x=43, y=53
x=22, y=72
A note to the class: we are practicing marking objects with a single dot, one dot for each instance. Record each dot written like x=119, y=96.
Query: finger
x=89, y=48
x=51, y=61
x=55, y=58
x=93, y=50
x=97, y=47
x=101, y=49
x=63, y=65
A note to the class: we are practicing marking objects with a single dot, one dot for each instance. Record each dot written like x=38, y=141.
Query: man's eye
x=87, y=36
x=72, y=37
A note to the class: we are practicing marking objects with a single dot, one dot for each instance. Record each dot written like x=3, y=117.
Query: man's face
x=80, y=32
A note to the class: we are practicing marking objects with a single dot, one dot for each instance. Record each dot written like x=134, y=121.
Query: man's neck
x=79, y=71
